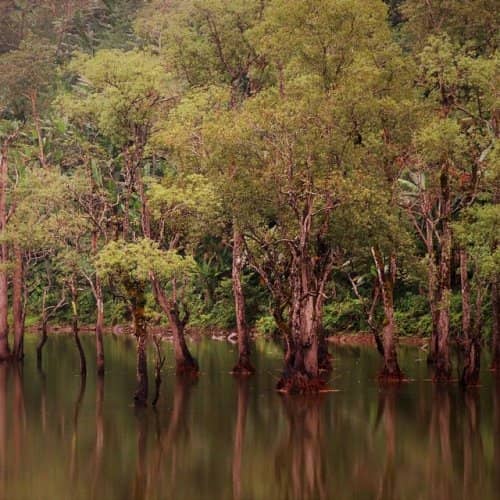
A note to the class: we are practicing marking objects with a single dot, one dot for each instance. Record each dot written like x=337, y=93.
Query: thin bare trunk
x=244, y=365
x=465, y=288
x=36, y=119
x=184, y=361
x=18, y=304
x=138, y=302
x=99, y=325
x=74, y=322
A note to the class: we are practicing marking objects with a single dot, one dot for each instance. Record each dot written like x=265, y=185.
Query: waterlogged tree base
x=140, y=401
x=188, y=368
x=391, y=376
x=243, y=368
x=325, y=362
x=300, y=383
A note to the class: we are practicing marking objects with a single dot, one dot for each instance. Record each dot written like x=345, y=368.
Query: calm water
x=223, y=439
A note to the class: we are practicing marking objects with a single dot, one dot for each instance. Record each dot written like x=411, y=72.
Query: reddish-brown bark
x=185, y=363
x=386, y=278
x=309, y=275
x=442, y=365
x=137, y=303
x=18, y=313
x=244, y=365
x=5, y=353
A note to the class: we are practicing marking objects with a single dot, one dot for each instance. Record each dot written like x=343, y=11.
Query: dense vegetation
x=293, y=167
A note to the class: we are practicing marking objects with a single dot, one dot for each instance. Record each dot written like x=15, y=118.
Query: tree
x=129, y=267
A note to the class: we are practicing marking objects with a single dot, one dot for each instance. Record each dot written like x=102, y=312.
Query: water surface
x=220, y=438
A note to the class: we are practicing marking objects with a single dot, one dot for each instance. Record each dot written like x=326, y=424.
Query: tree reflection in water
x=239, y=435
x=299, y=458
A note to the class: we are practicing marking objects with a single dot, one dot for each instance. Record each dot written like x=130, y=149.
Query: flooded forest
x=249, y=249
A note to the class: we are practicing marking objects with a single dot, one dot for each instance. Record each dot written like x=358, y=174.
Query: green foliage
x=134, y=263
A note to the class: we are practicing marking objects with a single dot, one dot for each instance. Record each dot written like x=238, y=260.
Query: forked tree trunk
x=138, y=302
x=18, y=305
x=301, y=374
x=244, y=365
x=309, y=276
x=386, y=278
x=185, y=363
x=442, y=365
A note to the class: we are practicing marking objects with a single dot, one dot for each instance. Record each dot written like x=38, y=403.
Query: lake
x=221, y=438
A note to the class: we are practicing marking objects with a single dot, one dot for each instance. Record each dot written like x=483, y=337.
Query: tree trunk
x=244, y=365
x=138, y=303
x=17, y=305
x=99, y=328
x=465, y=288
x=185, y=363
x=301, y=374
x=390, y=370
x=432, y=293
x=4, y=286
x=99, y=325
x=495, y=306
x=442, y=365
x=470, y=373
x=41, y=344
x=74, y=324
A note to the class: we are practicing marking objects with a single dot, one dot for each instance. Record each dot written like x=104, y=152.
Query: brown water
x=223, y=439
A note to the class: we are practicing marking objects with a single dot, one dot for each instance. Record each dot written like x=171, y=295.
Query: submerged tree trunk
x=138, y=302
x=185, y=363
x=244, y=365
x=99, y=328
x=432, y=292
x=465, y=289
x=386, y=278
x=495, y=310
x=18, y=305
x=472, y=366
x=309, y=275
x=74, y=325
x=442, y=365
x=99, y=325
